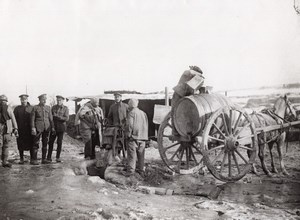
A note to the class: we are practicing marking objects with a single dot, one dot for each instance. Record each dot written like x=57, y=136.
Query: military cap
x=43, y=96
x=196, y=68
x=60, y=97
x=117, y=94
x=23, y=96
x=3, y=98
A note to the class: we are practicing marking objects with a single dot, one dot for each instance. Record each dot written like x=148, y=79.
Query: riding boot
x=21, y=152
x=33, y=158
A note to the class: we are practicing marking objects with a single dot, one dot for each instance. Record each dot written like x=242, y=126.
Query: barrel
x=192, y=112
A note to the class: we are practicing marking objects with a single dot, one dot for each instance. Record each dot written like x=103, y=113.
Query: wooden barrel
x=192, y=112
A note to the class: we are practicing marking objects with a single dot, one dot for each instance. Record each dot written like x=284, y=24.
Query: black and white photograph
x=149, y=110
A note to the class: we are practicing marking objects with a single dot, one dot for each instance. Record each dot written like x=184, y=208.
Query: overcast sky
x=84, y=47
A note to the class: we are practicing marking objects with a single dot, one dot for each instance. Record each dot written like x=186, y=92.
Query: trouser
x=21, y=152
x=36, y=142
x=5, y=143
x=174, y=102
x=90, y=145
x=135, y=155
x=59, y=136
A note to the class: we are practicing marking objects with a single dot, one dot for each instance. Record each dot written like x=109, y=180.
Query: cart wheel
x=180, y=156
x=229, y=143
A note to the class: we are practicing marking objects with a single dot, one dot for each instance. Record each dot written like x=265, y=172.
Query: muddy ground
x=54, y=192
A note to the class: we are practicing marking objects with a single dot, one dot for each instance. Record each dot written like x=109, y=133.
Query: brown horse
x=281, y=110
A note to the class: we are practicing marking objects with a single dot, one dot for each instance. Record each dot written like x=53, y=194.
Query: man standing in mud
x=60, y=115
x=8, y=125
x=190, y=82
x=117, y=117
x=25, y=140
x=136, y=132
x=41, y=125
x=89, y=118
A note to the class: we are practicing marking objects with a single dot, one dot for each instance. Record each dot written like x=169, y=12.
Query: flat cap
x=196, y=68
x=3, y=98
x=117, y=94
x=43, y=96
x=23, y=96
x=60, y=97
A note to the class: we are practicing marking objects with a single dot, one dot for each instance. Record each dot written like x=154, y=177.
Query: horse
x=281, y=110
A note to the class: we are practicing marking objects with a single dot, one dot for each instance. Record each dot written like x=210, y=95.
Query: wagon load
x=220, y=135
x=192, y=112
x=213, y=132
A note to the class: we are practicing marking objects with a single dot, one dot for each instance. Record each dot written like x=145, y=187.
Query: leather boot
x=33, y=159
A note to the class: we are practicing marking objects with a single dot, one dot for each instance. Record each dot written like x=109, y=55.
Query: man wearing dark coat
x=41, y=124
x=118, y=111
x=25, y=140
x=60, y=115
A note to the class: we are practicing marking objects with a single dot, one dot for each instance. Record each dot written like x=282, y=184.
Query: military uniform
x=8, y=125
x=41, y=125
x=25, y=139
x=117, y=113
x=60, y=115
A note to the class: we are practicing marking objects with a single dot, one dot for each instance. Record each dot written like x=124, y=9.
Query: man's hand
x=16, y=133
x=53, y=132
x=33, y=131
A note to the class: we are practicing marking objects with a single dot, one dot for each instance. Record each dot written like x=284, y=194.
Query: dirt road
x=54, y=192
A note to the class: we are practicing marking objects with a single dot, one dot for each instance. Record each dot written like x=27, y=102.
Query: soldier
x=190, y=82
x=60, y=115
x=89, y=118
x=8, y=125
x=136, y=132
x=25, y=140
x=41, y=125
x=118, y=111
x=117, y=117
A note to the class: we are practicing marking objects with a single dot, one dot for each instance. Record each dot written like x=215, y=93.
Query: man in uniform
x=89, y=118
x=41, y=125
x=190, y=82
x=136, y=132
x=118, y=111
x=117, y=117
x=8, y=125
x=25, y=140
x=60, y=115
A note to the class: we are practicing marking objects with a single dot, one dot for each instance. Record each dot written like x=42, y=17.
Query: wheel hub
x=231, y=143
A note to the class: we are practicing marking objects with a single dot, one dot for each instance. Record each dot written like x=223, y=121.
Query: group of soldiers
x=121, y=116
x=30, y=124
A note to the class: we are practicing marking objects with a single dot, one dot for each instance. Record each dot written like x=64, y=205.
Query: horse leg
x=274, y=170
x=262, y=156
x=280, y=145
x=254, y=170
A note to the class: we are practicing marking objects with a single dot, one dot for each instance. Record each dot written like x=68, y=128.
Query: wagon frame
x=238, y=145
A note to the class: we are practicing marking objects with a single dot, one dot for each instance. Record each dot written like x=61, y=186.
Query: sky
x=79, y=47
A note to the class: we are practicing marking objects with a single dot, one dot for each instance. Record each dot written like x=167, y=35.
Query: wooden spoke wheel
x=229, y=143
x=180, y=156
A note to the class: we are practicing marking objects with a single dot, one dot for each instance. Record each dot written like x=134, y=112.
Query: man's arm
x=129, y=124
x=12, y=117
x=110, y=115
x=51, y=119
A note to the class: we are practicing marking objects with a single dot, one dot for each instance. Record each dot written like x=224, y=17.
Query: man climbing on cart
x=190, y=83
